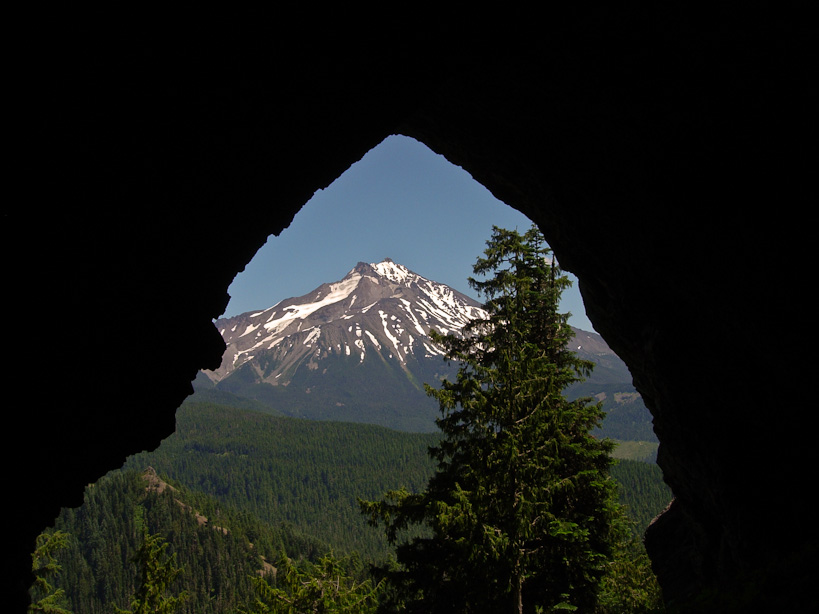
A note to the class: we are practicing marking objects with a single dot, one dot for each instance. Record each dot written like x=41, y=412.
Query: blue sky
x=401, y=201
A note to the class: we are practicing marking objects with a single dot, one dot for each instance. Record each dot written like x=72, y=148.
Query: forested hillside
x=303, y=472
x=218, y=548
x=248, y=485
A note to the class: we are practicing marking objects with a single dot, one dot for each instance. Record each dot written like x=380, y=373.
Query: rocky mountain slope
x=381, y=311
x=358, y=349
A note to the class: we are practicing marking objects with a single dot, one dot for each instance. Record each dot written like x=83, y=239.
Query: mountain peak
x=394, y=272
x=387, y=269
x=378, y=308
x=362, y=268
x=358, y=344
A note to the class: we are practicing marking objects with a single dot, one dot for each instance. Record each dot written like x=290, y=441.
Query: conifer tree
x=47, y=599
x=158, y=574
x=324, y=587
x=520, y=514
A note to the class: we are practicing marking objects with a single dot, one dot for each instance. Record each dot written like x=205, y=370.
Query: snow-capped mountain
x=379, y=311
x=356, y=349
x=359, y=350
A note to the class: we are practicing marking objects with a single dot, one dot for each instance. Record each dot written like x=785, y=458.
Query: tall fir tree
x=521, y=515
x=44, y=565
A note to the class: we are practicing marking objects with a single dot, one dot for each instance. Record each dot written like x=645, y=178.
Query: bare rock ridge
x=666, y=155
x=158, y=485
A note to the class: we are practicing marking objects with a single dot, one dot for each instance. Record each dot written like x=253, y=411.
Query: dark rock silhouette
x=665, y=157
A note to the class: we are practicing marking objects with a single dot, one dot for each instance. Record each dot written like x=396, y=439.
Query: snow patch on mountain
x=338, y=292
x=393, y=272
x=390, y=336
x=383, y=304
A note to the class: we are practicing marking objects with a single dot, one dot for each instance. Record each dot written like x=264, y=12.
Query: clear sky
x=401, y=201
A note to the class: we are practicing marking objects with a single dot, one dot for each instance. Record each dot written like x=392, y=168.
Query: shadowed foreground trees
x=45, y=566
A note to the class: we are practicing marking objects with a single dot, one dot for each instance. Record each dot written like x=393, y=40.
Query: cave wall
x=665, y=159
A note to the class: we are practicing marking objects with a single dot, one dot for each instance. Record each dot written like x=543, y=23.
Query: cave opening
x=677, y=151
x=401, y=201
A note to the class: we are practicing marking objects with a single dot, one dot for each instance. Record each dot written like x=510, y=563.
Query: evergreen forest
x=245, y=487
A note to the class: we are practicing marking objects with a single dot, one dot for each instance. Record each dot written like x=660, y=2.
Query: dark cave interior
x=665, y=162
